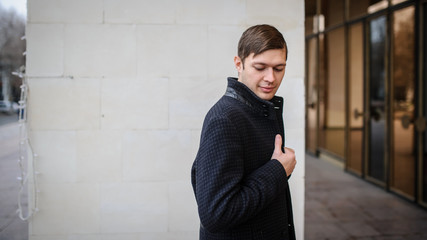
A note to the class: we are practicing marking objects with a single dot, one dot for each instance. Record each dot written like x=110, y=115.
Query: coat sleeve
x=226, y=196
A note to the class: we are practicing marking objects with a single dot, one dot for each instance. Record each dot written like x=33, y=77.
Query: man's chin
x=265, y=96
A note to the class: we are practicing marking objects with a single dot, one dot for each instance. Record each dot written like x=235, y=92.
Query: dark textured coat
x=241, y=193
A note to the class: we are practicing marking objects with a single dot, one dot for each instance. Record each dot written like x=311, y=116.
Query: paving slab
x=339, y=205
x=11, y=226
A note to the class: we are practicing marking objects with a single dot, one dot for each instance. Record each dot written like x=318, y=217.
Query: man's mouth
x=267, y=89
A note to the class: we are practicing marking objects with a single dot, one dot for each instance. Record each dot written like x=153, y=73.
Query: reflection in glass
x=321, y=92
x=355, y=111
x=377, y=51
x=312, y=95
x=377, y=6
x=334, y=115
x=310, y=13
x=397, y=1
x=333, y=10
x=403, y=161
x=359, y=8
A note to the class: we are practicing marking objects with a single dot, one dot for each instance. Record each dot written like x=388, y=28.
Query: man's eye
x=278, y=69
x=259, y=68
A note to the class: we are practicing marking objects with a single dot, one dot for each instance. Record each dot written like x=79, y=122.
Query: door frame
x=421, y=21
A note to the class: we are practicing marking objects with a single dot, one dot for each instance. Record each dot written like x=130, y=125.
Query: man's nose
x=269, y=75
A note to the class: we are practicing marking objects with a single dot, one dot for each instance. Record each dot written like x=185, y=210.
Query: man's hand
x=287, y=159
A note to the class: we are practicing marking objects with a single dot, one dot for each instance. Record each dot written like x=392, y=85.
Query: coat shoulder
x=226, y=107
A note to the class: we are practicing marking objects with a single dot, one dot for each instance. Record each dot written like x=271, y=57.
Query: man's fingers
x=289, y=149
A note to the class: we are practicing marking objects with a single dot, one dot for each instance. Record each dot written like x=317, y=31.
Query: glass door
x=332, y=103
x=355, y=109
x=403, y=151
x=311, y=110
x=377, y=99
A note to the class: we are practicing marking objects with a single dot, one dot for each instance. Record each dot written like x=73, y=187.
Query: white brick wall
x=130, y=104
x=47, y=43
x=64, y=11
x=64, y=103
x=100, y=50
x=118, y=93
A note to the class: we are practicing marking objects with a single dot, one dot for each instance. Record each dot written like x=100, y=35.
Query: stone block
x=157, y=155
x=45, y=49
x=298, y=193
x=294, y=140
x=211, y=12
x=195, y=140
x=64, y=11
x=64, y=211
x=140, y=12
x=289, y=14
x=295, y=65
x=135, y=103
x=172, y=50
x=56, y=159
x=100, y=50
x=134, y=207
x=223, y=41
x=191, y=98
x=64, y=104
x=98, y=156
x=183, y=216
x=292, y=90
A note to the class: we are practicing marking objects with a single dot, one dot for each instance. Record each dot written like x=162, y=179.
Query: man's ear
x=238, y=64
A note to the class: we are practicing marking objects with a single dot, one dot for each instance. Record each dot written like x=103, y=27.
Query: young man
x=240, y=174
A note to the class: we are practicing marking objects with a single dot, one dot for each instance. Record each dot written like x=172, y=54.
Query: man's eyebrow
x=265, y=64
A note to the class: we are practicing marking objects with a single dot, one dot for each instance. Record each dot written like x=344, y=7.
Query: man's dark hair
x=258, y=39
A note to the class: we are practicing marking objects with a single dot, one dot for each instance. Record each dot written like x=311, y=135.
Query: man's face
x=263, y=73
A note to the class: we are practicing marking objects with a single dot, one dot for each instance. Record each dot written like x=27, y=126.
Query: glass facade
x=355, y=110
x=310, y=17
x=359, y=8
x=397, y=1
x=311, y=94
x=364, y=104
x=332, y=128
x=403, y=101
x=333, y=11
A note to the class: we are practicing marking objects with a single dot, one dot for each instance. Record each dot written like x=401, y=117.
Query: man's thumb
x=278, y=143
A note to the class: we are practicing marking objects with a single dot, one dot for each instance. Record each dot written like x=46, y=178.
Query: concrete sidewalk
x=343, y=207
x=11, y=226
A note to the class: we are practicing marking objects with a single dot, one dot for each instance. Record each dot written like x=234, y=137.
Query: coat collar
x=242, y=93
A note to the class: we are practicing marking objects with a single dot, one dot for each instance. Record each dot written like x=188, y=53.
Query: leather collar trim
x=243, y=94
